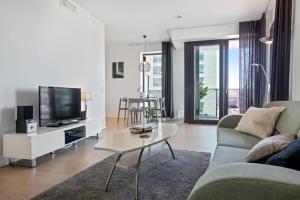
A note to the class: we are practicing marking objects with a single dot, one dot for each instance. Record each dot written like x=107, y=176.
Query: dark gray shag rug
x=161, y=177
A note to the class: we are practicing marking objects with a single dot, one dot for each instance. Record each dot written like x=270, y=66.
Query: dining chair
x=136, y=107
x=123, y=102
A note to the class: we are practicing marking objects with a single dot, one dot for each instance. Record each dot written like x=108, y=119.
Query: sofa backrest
x=289, y=120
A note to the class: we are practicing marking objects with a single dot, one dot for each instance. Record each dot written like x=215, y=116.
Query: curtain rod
x=195, y=27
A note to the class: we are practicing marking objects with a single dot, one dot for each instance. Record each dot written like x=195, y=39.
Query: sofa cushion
x=288, y=157
x=288, y=121
x=233, y=138
x=259, y=122
x=227, y=155
x=269, y=146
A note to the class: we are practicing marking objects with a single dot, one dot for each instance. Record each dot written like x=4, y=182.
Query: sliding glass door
x=204, y=81
x=211, y=80
x=233, y=90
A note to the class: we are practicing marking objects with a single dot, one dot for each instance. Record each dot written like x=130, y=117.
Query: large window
x=233, y=77
x=156, y=82
x=156, y=70
x=157, y=59
x=153, y=83
x=211, y=80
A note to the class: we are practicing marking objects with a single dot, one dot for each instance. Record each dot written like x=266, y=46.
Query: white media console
x=28, y=147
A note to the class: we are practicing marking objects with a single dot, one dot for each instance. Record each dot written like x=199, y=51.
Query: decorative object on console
x=25, y=122
x=118, y=69
x=85, y=96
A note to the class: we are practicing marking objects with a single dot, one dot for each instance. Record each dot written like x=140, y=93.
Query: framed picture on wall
x=118, y=69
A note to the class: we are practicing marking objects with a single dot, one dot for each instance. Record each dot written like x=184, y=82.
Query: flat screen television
x=59, y=105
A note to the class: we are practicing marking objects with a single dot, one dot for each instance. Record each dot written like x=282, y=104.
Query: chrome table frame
x=137, y=169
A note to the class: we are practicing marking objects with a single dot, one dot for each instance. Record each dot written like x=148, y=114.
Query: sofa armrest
x=246, y=181
x=229, y=121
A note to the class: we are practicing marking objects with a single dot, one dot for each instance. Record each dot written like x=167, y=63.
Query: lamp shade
x=266, y=40
x=86, y=96
x=145, y=66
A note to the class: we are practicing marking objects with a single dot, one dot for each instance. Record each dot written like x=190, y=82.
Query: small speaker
x=24, y=112
x=26, y=126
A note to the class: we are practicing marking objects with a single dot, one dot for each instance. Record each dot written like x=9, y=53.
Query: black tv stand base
x=55, y=125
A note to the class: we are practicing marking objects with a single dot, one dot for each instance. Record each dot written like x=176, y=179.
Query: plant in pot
x=203, y=91
x=151, y=116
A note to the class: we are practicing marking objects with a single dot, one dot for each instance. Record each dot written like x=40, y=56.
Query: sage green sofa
x=228, y=177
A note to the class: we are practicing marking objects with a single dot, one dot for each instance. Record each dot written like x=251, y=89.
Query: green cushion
x=233, y=138
x=227, y=155
x=288, y=121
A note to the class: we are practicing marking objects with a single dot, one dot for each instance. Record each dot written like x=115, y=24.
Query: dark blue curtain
x=280, y=64
x=167, y=78
x=252, y=80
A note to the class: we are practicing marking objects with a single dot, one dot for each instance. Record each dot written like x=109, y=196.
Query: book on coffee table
x=140, y=130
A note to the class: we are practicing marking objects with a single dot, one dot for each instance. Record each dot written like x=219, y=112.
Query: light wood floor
x=24, y=183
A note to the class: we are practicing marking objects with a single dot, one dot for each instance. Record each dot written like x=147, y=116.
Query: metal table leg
x=137, y=175
x=111, y=172
x=170, y=148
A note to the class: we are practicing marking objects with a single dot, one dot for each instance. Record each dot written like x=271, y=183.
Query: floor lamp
x=267, y=40
x=257, y=66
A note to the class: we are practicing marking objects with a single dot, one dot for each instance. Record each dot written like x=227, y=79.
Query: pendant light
x=145, y=66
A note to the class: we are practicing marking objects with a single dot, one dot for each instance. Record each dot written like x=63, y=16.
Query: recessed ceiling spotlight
x=178, y=16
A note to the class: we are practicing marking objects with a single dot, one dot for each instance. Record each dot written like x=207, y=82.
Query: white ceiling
x=127, y=20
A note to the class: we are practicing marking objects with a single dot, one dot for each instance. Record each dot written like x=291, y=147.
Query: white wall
x=296, y=53
x=43, y=43
x=127, y=86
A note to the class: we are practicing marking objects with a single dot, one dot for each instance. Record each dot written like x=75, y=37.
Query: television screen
x=59, y=104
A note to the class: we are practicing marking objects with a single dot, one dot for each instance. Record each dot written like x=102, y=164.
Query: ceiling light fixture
x=267, y=40
x=178, y=16
x=144, y=66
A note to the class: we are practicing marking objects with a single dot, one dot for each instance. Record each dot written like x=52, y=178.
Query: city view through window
x=207, y=81
x=233, y=82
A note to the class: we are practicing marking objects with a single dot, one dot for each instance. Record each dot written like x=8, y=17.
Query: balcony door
x=205, y=81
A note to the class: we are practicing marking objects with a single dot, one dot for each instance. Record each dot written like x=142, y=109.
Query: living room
x=149, y=100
